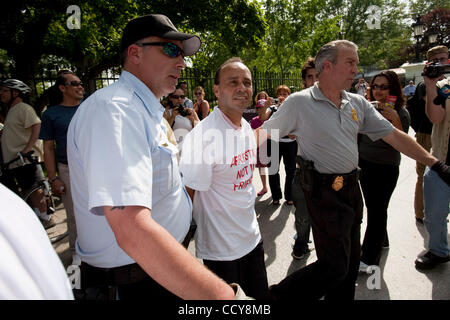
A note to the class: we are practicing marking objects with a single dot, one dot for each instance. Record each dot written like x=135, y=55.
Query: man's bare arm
x=434, y=112
x=33, y=137
x=406, y=145
x=162, y=257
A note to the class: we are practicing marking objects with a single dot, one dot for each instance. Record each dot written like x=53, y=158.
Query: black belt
x=131, y=273
x=336, y=179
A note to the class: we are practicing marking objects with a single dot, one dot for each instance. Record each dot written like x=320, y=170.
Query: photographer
x=435, y=189
x=181, y=119
x=422, y=125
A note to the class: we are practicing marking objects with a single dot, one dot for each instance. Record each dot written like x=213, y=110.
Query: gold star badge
x=354, y=115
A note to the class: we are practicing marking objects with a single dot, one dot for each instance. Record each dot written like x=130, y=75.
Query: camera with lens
x=435, y=70
x=182, y=110
x=275, y=101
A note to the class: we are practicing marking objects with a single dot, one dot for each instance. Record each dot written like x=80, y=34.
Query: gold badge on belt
x=338, y=183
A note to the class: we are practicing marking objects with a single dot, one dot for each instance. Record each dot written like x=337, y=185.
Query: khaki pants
x=63, y=170
x=424, y=139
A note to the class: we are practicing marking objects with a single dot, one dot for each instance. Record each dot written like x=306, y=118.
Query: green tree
x=34, y=32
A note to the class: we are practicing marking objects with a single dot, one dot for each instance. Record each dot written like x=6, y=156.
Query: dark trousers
x=287, y=151
x=378, y=182
x=249, y=272
x=336, y=218
x=125, y=283
x=302, y=224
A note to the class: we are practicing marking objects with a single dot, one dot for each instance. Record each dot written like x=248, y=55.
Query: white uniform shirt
x=119, y=155
x=30, y=269
x=218, y=160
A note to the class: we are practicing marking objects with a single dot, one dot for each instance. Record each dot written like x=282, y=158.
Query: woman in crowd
x=287, y=151
x=201, y=106
x=180, y=118
x=262, y=161
x=379, y=164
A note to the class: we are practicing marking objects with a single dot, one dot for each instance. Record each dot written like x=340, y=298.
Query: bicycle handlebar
x=20, y=156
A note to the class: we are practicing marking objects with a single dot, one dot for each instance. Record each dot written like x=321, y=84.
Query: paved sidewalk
x=399, y=279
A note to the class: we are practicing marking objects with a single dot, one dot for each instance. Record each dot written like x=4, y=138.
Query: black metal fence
x=262, y=80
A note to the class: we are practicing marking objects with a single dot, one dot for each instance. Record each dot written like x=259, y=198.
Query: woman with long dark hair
x=379, y=163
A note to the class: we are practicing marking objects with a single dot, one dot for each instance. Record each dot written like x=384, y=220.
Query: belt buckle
x=338, y=183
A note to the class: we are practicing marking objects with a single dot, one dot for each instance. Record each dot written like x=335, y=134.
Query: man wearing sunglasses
x=55, y=122
x=187, y=102
x=131, y=209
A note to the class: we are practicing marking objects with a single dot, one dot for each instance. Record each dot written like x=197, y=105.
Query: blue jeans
x=436, y=202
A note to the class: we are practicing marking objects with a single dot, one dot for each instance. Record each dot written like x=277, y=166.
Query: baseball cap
x=260, y=103
x=158, y=25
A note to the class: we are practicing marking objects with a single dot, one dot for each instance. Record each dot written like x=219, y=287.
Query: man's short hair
x=281, y=88
x=178, y=86
x=436, y=50
x=309, y=64
x=329, y=52
x=229, y=61
x=55, y=95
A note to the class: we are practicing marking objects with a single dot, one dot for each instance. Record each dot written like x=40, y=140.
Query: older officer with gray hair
x=326, y=121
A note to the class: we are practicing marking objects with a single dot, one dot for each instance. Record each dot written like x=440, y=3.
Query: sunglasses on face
x=170, y=49
x=440, y=60
x=381, y=87
x=74, y=83
x=198, y=93
x=177, y=96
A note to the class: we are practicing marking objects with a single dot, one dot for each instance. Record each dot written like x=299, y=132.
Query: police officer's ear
x=216, y=91
x=327, y=65
x=134, y=53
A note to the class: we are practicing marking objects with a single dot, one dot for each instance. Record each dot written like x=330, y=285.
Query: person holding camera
x=379, y=163
x=422, y=125
x=436, y=190
x=180, y=118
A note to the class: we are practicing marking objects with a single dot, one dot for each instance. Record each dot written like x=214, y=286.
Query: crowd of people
x=138, y=165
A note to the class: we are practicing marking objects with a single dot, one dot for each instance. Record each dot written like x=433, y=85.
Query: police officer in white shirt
x=132, y=211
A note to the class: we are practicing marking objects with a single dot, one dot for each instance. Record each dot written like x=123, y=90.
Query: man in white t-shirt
x=217, y=163
x=30, y=268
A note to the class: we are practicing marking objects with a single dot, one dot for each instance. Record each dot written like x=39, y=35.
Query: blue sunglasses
x=170, y=49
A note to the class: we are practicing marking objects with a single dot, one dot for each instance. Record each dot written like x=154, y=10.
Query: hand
x=239, y=293
x=58, y=187
x=269, y=102
x=175, y=112
x=389, y=113
x=26, y=150
x=443, y=171
x=193, y=116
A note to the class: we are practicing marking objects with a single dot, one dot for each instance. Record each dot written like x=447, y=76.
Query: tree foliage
x=36, y=31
